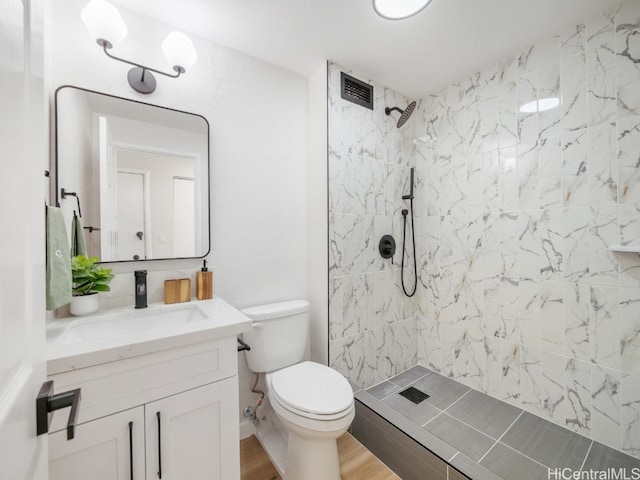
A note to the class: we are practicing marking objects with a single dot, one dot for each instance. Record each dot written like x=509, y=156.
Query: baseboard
x=246, y=429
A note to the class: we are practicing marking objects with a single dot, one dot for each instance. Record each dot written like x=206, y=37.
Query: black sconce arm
x=106, y=45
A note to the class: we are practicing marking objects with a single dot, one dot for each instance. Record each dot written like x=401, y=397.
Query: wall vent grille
x=356, y=91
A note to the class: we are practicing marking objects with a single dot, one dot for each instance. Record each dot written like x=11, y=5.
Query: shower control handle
x=387, y=247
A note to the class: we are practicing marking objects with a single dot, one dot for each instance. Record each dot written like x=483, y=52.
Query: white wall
x=319, y=228
x=258, y=115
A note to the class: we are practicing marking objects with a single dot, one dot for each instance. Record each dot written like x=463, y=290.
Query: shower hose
x=415, y=260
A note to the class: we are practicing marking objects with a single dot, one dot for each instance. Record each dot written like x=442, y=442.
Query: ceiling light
x=399, y=9
x=541, y=105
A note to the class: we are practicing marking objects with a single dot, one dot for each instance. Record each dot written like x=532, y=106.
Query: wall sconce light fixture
x=104, y=21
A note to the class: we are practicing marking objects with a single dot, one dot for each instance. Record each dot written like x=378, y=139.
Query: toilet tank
x=279, y=335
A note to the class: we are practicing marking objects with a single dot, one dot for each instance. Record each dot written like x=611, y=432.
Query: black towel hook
x=64, y=193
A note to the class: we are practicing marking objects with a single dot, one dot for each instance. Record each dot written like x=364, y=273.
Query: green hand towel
x=58, y=261
x=78, y=245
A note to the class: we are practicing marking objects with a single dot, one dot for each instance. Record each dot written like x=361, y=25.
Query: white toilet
x=313, y=402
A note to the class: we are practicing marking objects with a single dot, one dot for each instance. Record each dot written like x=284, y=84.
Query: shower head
x=404, y=114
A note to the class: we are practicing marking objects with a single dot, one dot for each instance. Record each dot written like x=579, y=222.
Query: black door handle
x=130, y=450
x=159, y=446
x=46, y=403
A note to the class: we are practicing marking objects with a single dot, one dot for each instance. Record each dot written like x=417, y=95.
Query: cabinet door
x=105, y=449
x=194, y=435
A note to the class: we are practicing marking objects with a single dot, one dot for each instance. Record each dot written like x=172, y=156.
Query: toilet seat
x=311, y=390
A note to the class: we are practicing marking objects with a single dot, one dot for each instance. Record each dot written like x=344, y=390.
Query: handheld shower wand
x=410, y=196
x=405, y=212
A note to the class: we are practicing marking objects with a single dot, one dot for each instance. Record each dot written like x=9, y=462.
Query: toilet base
x=312, y=459
x=297, y=453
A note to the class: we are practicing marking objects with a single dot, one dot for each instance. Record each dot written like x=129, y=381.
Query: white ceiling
x=416, y=56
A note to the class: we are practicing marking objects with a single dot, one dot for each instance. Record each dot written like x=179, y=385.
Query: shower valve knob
x=387, y=247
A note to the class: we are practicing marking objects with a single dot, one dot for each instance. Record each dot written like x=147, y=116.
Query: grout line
x=503, y=434
x=392, y=393
x=509, y=427
x=408, y=384
x=440, y=412
x=585, y=457
x=457, y=400
x=525, y=456
x=487, y=452
x=467, y=425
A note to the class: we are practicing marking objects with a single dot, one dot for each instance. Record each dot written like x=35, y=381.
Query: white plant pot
x=85, y=304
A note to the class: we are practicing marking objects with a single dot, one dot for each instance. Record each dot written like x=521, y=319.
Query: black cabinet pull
x=131, y=450
x=159, y=446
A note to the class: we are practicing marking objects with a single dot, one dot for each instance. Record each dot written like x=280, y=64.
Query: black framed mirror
x=137, y=173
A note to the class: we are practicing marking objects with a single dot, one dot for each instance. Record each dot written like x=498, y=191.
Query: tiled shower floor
x=507, y=441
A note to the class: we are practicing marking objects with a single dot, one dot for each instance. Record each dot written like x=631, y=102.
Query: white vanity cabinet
x=108, y=448
x=169, y=415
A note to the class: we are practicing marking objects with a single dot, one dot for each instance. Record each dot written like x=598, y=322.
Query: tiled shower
x=519, y=295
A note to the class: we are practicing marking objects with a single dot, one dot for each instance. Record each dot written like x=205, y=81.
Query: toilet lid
x=312, y=387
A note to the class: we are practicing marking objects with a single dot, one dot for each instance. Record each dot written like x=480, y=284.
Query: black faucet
x=141, y=288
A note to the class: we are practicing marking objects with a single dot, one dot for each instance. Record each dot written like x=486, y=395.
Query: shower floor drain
x=415, y=395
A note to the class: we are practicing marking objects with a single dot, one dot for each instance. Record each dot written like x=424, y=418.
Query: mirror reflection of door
x=184, y=217
x=170, y=209
x=131, y=215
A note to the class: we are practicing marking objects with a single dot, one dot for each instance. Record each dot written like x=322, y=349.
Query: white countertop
x=64, y=355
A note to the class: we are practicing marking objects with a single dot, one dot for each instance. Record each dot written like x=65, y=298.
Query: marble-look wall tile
x=575, y=244
x=628, y=151
x=602, y=165
x=518, y=293
x=627, y=41
x=578, y=403
x=468, y=360
x=554, y=387
x=604, y=323
x=494, y=365
x=603, y=232
x=404, y=353
x=630, y=414
x=347, y=356
x=601, y=63
x=531, y=391
x=630, y=330
x=550, y=174
x=578, y=330
x=510, y=381
x=342, y=320
x=525, y=267
x=605, y=406
x=574, y=169
x=528, y=179
x=552, y=311
x=573, y=79
x=378, y=357
x=369, y=167
x=549, y=87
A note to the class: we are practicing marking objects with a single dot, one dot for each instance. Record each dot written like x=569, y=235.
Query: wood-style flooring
x=356, y=462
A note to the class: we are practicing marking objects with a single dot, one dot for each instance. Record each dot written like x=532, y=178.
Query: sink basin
x=134, y=324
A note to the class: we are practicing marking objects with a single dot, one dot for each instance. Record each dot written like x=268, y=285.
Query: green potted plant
x=88, y=279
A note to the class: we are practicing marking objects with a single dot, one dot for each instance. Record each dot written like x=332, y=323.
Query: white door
x=110, y=448
x=194, y=435
x=23, y=142
x=131, y=216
